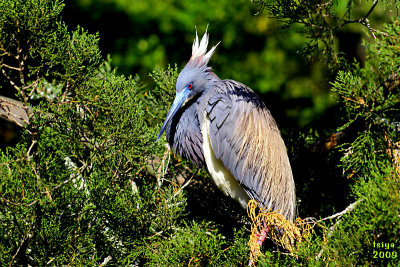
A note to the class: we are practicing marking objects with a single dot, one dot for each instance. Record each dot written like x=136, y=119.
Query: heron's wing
x=224, y=112
x=245, y=137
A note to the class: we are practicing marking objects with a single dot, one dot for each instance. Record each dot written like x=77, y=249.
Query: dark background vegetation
x=85, y=183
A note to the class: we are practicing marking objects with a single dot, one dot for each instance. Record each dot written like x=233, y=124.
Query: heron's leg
x=260, y=239
x=263, y=235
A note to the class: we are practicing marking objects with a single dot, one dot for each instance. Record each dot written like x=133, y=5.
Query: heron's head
x=194, y=79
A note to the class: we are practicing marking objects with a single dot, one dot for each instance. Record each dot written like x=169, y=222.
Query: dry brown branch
x=13, y=111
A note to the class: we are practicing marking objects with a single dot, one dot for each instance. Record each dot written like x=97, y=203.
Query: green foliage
x=371, y=98
x=33, y=36
x=199, y=246
x=88, y=185
x=80, y=179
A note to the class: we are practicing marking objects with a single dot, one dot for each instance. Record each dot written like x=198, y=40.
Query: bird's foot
x=260, y=240
x=263, y=235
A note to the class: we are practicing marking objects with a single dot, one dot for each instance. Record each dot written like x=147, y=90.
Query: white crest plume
x=200, y=56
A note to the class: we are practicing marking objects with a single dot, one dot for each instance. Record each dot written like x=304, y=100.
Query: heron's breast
x=184, y=135
x=221, y=176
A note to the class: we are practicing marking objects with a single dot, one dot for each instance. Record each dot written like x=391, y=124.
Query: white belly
x=221, y=176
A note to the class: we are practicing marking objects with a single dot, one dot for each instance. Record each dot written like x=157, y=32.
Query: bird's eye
x=190, y=86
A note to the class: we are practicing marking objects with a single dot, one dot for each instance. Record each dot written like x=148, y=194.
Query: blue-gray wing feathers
x=239, y=124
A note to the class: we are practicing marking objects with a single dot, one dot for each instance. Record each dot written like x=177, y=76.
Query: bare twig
x=371, y=9
x=30, y=149
x=9, y=67
x=5, y=52
x=21, y=62
x=186, y=184
x=10, y=80
x=17, y=204
x=337, y=215
x=34, y=85
x=363, y=20
x=72, y=177
x=343, y=212
x=366, y=24
x=24, y=245
x=325, y=4
x=163, y=168
x=105, y=261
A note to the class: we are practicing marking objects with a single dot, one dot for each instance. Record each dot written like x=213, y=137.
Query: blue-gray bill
x=180, y=98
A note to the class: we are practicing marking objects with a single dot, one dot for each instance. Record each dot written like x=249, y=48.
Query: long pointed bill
x=178, y=102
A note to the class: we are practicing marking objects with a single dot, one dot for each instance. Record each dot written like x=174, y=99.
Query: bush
x=86, y=183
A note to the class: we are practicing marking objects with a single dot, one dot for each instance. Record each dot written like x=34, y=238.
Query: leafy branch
x=319, y=21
